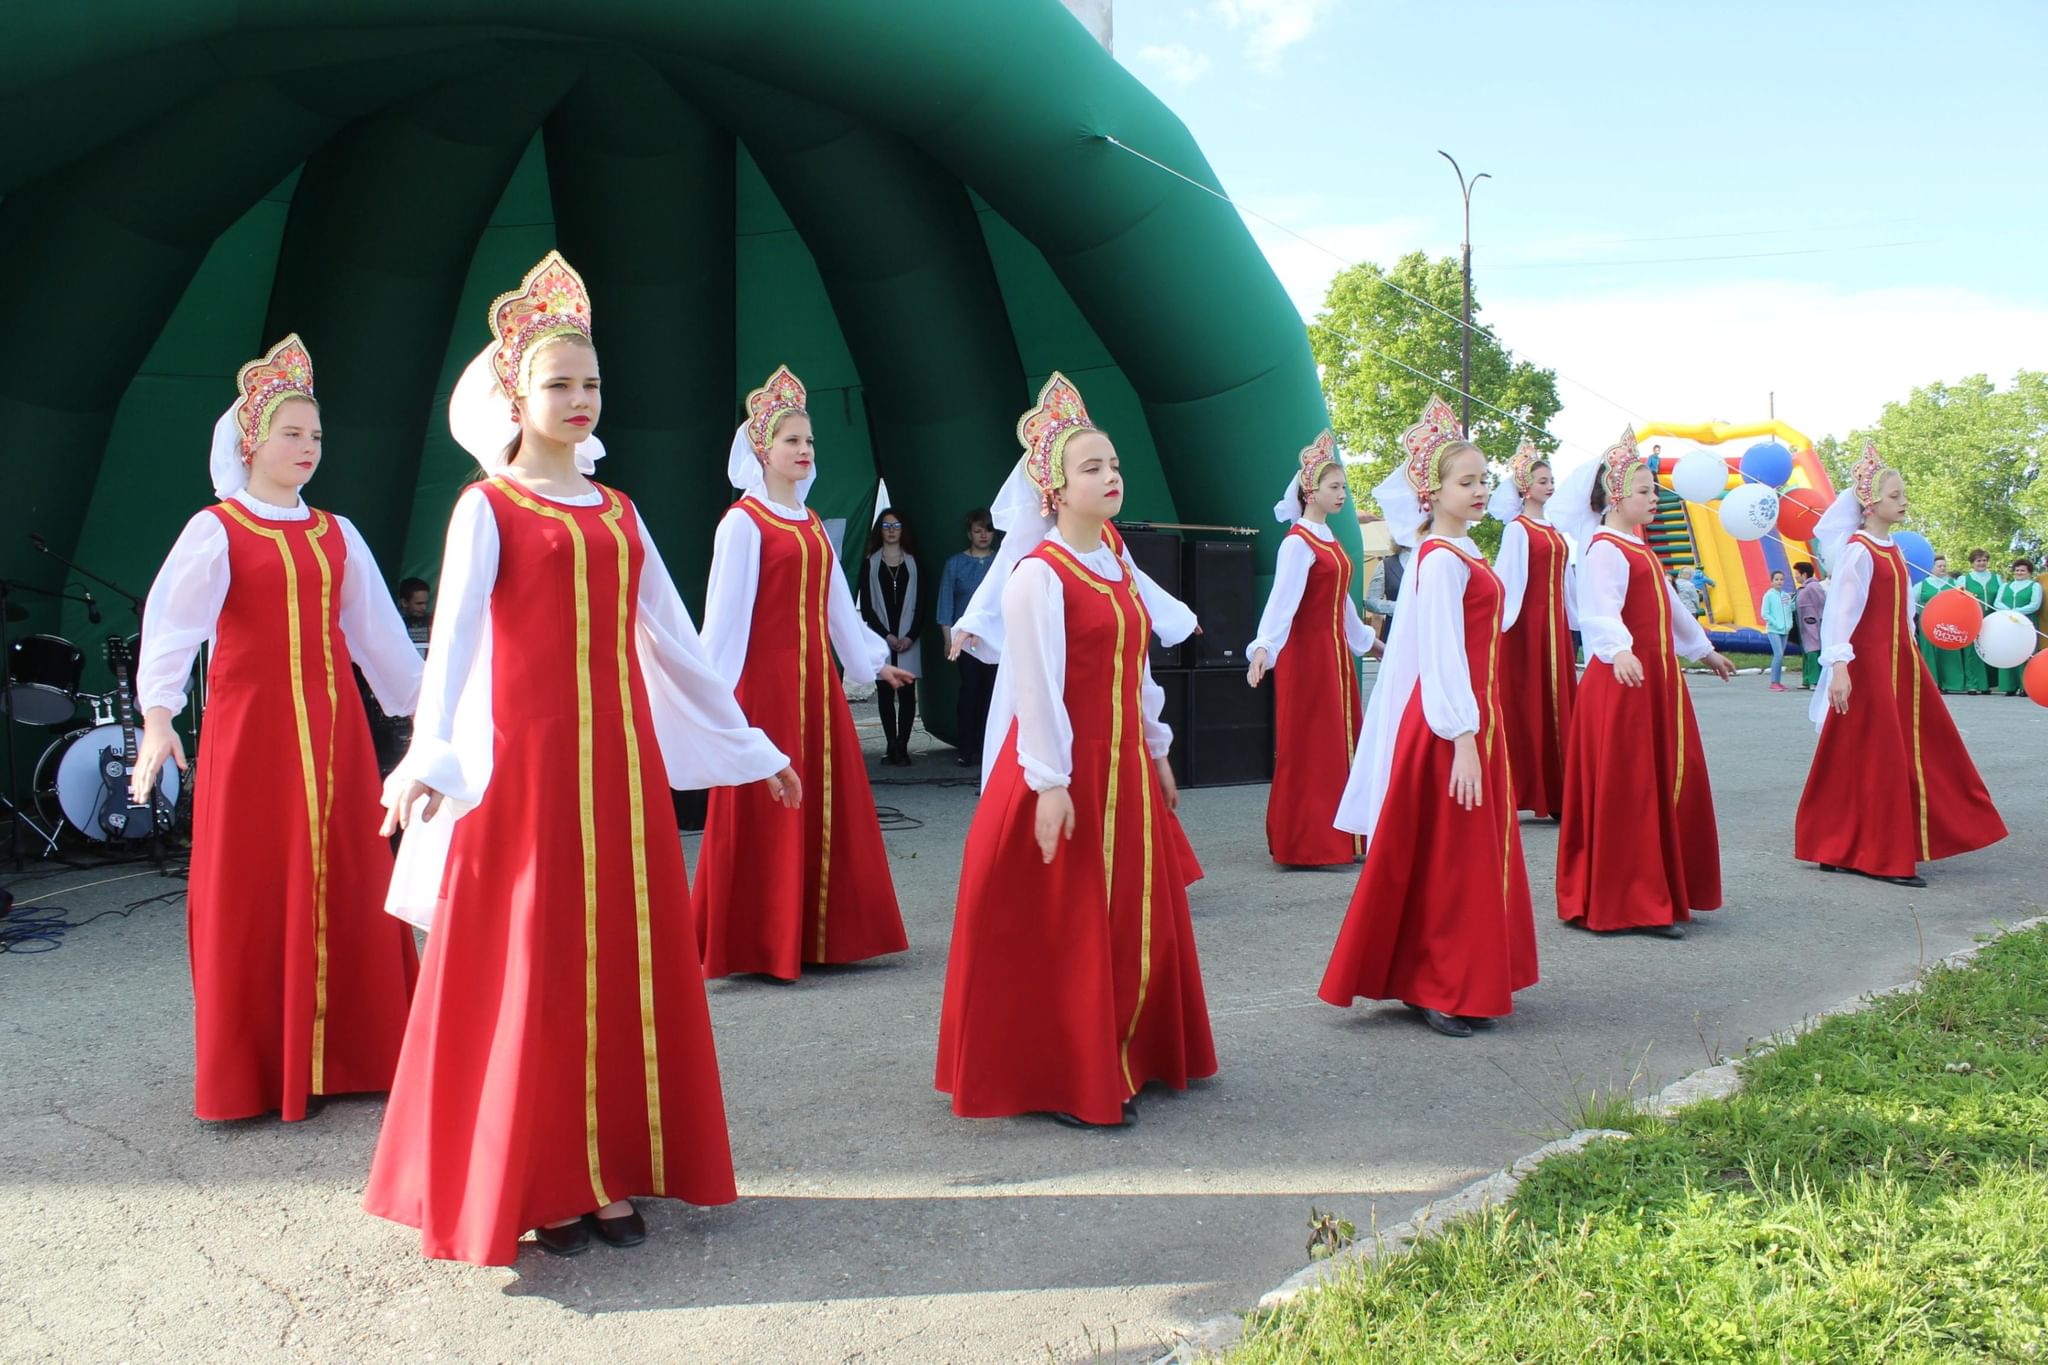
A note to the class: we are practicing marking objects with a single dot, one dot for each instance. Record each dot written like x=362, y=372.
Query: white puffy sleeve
x=1360, y=636
x=1152, y=698
x=1436, y=613
x=1172, y=619
x=1688, y=636
x=705, y=739
x=729, y=593
x=1843, y=609
x=1603, y=587
x=451, y=728
x=861, y=652
x=184, y=603
x=376, y=635
x=1511, y=565
x=1290, y=577
x=1035, y=657
x=1571, y=591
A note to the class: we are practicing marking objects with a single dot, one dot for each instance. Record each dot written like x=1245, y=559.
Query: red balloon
x=1952, y=619
x=2035, y=679
x=1799, y=511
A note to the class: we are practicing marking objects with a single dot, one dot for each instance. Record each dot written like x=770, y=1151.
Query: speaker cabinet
x=1220, y=587
x=1174, y=683
x=1157, y=553
x=1229, y=734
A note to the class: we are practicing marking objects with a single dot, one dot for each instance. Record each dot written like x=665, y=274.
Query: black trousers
x=899, y=712
x=977, y=687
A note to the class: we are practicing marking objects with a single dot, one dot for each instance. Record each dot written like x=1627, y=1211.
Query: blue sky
x=1875, y=167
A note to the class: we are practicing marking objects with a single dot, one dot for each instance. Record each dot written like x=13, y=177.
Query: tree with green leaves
x=1972, y=457
x=1383, y=353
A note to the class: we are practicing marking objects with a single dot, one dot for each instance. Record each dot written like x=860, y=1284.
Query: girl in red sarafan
x=559, y=1057
x=1637, y=846
x=779, y=889
x=1440, y=919
x=1311, y=605
x=1073, y=981
x=299, y=986
x=1537, y=656
x=1891, y=784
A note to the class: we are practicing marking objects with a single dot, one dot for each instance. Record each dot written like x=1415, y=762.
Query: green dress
x=2024, y=598
x=1945, y=664
x=1984, y=587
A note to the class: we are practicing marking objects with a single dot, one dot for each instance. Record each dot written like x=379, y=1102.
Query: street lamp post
x=1465, y=370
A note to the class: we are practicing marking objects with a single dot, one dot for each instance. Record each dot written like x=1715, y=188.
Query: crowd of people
x=549, y=1057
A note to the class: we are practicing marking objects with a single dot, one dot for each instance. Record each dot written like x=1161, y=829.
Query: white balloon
x=2007, y=639
x=1699, y=476
x=1750, y=512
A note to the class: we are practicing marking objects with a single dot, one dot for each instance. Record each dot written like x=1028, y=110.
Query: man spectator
x=1777, y=626
x=415, y=606
x=1807, y=603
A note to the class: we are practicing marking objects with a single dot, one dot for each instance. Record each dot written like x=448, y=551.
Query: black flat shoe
x=1449, y=1025
x=1063, y=1118
x=1661, y=930
x=627, y=1230
x=1130, y=1112
x=1478, y=1021
x=570, y=1239
x=1830, y=867
x=1915, y=880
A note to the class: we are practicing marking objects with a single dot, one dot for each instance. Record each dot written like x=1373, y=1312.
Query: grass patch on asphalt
x=1877, y=1192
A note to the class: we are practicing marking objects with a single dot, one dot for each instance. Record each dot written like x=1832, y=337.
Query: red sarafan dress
x=560, y=1053
x=779, y=888
x=1440, y=917
x=1537, y=659
x=1637, y=844
x=1071, y=985
x=300, y=983
x=1316, y=710
x=1892, y=784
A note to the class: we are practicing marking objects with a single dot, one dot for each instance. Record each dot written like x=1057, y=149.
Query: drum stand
x=16, y=816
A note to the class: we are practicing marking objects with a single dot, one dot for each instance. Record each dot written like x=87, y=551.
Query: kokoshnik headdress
x=1844, y=516
x=780, y=395
x=551, y=302
x=284, y=371
x=1506, y=503
x=1405, y=495
x=1044, y=430
x=1618, y=462
x=1315, y=457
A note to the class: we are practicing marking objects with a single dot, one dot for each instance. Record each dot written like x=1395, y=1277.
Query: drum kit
x=80, y=782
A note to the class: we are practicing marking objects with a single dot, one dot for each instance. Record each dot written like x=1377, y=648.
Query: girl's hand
x=1838, y=690
x=786, y=787
x=1720, y=665
x=1465, y=789
x=1628, y=670
x=159, y=742
x=1257, y=671
x=399, y=816
x=1167, y=785
x=894, y=676
x=1054, y=822
x=962, y=639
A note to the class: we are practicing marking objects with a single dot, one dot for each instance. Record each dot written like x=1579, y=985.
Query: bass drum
x=69, y=784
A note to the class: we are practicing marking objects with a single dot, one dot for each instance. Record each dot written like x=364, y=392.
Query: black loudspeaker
x=690, y=809
x=1174, y=683
x=1229, y=735
x=1157, y=553
x=1218, y=575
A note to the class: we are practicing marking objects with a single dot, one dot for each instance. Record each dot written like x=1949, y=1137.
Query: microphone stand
x=109, y=584
x=15, y=814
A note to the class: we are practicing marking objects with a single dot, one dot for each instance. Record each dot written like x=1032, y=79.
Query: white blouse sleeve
x=1571, y=592
x=449, y=762
x=1035, y=627
x=1360, y=636
x=729, y=594
x=1152, y=697
x=705, y=738
x=861, y=652
x=1512, y=567
x=1172, y=619
x=375, y=632
x=1844, y=606
x=1603, y=586
x=1436, y=613
x=1688, y=637
x=1290, y=577
x=184, y=603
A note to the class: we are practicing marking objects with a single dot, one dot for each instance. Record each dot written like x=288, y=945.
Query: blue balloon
x=1919, y=554
x=1767, y=463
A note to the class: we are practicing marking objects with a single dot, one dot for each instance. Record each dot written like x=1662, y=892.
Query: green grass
x=1877, y=1192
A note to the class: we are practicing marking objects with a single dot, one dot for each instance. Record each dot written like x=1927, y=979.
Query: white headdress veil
x=230, y=475
x=743, y=469
x=479, y=417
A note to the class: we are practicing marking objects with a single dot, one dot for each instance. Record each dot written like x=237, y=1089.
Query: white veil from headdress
x=744, y=471
x=1290, y=508
x=1844, y=518
x=230, y=475
x=478, y=418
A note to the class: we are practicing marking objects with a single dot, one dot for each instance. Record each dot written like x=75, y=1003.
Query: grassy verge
x=1877, y=1192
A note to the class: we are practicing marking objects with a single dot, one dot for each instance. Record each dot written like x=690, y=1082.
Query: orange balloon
x=1799, y=511
x=2035, y=679
x=1952, y=619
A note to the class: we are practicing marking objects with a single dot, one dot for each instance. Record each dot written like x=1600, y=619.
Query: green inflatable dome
x=913, y=204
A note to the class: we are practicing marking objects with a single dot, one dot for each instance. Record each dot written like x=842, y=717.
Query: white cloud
x=1270, y=26
x=1306, y=267
x=1176, y=64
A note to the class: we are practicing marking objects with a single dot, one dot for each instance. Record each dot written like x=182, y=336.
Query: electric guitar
x=120, y=817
